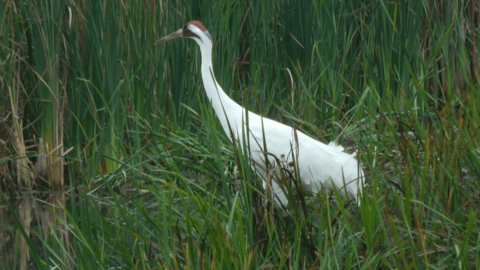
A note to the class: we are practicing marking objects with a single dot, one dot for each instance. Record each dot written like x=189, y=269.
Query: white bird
x=319, y=165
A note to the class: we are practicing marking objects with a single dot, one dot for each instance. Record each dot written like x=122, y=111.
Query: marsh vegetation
x=89, y=106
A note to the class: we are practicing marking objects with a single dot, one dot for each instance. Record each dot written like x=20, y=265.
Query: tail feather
x=338, y=148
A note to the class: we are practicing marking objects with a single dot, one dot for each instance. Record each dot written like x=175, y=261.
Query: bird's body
x=319, y=165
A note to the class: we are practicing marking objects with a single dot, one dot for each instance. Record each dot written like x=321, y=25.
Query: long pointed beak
x=174, y=35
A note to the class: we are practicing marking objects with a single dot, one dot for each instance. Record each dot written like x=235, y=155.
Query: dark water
x=39, y=217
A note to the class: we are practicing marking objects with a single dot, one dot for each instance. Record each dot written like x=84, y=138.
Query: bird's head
x=193, y=29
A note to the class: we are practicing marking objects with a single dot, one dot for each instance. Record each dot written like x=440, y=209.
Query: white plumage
x=319, y=164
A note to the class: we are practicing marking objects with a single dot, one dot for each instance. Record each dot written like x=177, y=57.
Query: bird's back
x=319, y=164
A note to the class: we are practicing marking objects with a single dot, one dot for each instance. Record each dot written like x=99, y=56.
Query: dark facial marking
x=187, y=33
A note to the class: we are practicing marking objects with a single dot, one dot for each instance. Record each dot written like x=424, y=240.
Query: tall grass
x=160, y=185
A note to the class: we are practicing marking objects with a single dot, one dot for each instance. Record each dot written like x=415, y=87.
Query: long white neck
x=223, y=105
